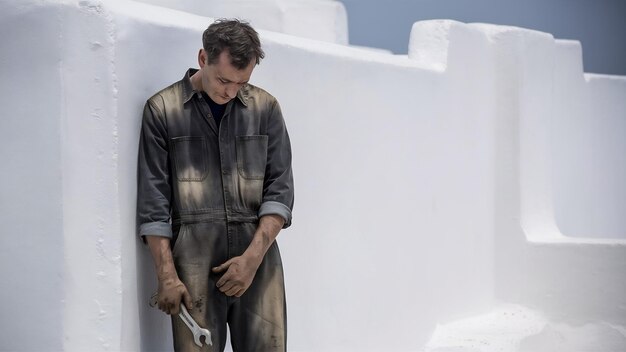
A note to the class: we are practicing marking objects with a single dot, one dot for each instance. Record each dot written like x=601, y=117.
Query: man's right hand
x=171, y=292
x=171, y=289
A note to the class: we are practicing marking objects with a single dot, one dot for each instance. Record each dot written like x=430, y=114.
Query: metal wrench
x=196, y=330
x=194, y=327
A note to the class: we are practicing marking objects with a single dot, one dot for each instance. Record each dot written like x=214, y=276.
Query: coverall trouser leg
x=257, y=319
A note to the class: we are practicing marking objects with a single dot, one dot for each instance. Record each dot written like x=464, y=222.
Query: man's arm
x=171, y=289
x=278, y=192
x=153, y=207
x=239, y=271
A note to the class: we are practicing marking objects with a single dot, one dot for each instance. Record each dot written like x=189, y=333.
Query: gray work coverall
x=205, y=187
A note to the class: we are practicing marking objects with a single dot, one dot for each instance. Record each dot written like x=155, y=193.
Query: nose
x=231, y=91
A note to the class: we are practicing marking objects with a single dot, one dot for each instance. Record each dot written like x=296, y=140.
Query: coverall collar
x=189, y=92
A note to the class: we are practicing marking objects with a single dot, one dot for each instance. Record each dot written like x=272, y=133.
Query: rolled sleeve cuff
x=271, y=208
x=158, y=228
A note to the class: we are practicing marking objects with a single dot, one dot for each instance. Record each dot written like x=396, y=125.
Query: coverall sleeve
x=278, y=192
x=154, y=189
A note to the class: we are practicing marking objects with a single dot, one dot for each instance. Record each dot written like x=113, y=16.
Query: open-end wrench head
x=197, y=338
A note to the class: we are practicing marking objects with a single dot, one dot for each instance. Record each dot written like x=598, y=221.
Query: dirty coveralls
x=206, y=187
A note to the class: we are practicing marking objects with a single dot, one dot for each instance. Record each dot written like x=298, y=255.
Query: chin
x=218, y=99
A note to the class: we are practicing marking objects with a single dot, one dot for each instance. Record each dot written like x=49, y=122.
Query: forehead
x=224, y=69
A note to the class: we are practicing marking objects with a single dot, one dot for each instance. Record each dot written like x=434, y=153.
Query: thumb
x=187, y=299
x=222, y=267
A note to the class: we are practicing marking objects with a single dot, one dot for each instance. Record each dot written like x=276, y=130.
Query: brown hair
x=238, y=37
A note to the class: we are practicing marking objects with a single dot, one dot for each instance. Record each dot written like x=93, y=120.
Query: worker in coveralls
x=215, y=187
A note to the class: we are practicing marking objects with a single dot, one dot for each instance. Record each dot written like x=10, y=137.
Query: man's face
x=221, y=81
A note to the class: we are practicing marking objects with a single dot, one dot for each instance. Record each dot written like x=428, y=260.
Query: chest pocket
x=190, y=157
x=251, y=156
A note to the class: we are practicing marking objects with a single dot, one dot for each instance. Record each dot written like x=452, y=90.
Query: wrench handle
x=187, y=319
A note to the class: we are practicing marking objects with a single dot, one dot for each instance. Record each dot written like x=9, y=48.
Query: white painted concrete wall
x=32, y=266
x=324, y=20
x=424, y=183
x=588, y=149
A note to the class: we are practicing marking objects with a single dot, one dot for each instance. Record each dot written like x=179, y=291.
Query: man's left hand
x=238, y=276
x=239, y=271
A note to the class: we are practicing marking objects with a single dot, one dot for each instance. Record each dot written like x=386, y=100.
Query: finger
x=220, y=268
x=240, y=293
x=163, y=305
x=175, y=308
x=232, y=291
x=224, y=279
x=187, y=299
x=227, y=287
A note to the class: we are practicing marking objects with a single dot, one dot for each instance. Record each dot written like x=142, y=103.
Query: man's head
x=237, y=37
x=231, y=49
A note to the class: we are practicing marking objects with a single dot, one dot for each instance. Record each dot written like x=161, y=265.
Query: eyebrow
x=229, y=81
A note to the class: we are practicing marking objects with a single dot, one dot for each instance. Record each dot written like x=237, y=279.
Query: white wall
x=418, y=180
x=31, y=243
x=575, y=280
x=324, y=20
x=393, y=202
x=587, y=141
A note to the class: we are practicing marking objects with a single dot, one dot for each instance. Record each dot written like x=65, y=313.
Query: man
x=215, y=187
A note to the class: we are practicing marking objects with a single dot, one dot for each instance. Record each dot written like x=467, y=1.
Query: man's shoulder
x=252, y=89
x=169, y=95
x=258, y=95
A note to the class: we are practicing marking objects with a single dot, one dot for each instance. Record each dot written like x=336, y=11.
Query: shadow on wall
x=151, y=319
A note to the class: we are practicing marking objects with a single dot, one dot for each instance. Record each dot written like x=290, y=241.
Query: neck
x=196, y=81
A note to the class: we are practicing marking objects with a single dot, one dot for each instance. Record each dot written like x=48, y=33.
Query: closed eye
x=225, y=81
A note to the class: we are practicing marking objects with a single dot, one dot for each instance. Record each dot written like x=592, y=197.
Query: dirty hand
x=171, y=292
x=238, y=276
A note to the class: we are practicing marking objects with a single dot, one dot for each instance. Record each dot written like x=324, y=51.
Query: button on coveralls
x=206, y=187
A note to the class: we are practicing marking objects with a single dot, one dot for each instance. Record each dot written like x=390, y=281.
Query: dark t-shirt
x=216, y=109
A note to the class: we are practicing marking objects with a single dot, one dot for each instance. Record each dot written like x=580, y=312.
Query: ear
x=202, y=58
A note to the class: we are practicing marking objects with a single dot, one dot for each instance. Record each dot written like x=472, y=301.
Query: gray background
x=600, y=25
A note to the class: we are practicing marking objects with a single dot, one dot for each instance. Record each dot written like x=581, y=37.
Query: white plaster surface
x=430, y=188
x=31, y=241
x=518, y=328
x=324, y=20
